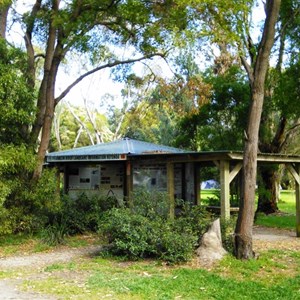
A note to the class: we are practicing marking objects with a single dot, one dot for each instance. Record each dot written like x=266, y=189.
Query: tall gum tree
x=257, y=77
x=60, y=28
x=280, y=118
x=229, y=22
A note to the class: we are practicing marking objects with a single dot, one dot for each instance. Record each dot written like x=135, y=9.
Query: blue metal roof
x=116, y=150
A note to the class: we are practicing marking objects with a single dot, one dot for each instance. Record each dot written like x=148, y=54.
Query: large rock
x=211, y=248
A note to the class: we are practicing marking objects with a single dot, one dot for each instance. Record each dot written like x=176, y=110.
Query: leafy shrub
x=194, y=217
x=227, y=234
x=150, y=204
x=83, y=213
x=135, y=236
x=130, y=235
x=144, y=232
x=176, y=245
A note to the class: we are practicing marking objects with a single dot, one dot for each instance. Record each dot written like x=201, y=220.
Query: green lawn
x=287, y=207
x=275, y=275
x=287, y=202
x=100, y=278
x=286, y=218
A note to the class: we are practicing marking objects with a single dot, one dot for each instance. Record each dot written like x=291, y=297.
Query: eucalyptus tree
x=220, y=123
x=59, y=28
x=229, y=23
x=281, y=115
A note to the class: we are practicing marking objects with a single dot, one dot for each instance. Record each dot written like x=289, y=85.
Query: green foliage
x=177, y=243
x=16, y=97
x=136, y=236
x=150, y=205
x=131, y=235
x=145, y=231
x=54, y=234
x=16, y=163
x=80, y=214
x=227, y=233
x=222, y=119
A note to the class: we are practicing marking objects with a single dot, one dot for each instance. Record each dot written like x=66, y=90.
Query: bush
x=145, y=230
x=82, y=214
x=227, y=234
x=131, y=235
x=150, y=204
x=135, y=236
x=176, y=245
x=195, y=218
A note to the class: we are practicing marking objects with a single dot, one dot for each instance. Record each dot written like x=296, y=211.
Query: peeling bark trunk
x=57, y=128
x=3, y=19
x=269, y=192
x=243, y=232
x=257, y=76
x=47, y=122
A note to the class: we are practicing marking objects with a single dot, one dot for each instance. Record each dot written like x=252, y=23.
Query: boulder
x=211, y=248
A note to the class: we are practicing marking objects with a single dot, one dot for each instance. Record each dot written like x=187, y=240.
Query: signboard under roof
x=100, y=157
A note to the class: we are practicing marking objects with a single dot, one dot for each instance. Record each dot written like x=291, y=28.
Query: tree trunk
x=243, y=231
x=47, y=123
x=268, y=193
x=4, y=8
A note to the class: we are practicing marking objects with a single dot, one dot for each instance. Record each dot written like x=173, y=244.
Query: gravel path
x=263, y=239
x=9, y=287
x=44, y=259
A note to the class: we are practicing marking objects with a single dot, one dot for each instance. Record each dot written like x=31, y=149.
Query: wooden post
x=129, y=183
x=66, y=179
x=225, y=189
x=57, y=183
x=295, y=171
x=197, y=185
x=297, y=186
x=171, y=188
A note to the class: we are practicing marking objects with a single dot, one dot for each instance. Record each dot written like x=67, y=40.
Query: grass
x=287, y=202
x=20, y=244
x=277, y=221
x=286, y=219
x=275, y=275
x=102, y=278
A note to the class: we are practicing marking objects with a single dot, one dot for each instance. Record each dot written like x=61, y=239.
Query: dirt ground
x=263, y=239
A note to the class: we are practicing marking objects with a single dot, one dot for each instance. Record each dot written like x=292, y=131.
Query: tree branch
x=28, y=42
x=289, y=135
x=108, y=65
x=82, y=125
x=248, y=69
